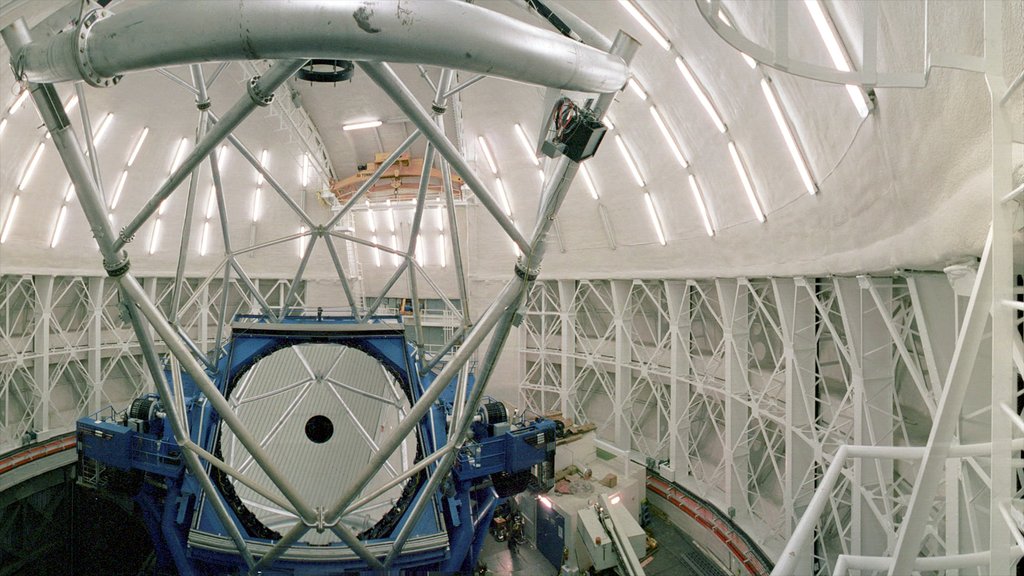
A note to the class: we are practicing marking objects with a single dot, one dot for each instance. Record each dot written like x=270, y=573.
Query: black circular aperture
x=319, y=429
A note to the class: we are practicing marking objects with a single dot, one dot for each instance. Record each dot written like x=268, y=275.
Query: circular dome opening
x=319, y=410
x=319, y=429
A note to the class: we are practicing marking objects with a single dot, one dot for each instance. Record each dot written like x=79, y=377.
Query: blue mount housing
x=135, y=453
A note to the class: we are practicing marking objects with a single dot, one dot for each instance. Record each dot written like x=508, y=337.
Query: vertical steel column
x=800, y=347
x=94, y=356
x=677, y=294
x=567, y=321
x=873, y=380
x=41, y=350
x=734, y=300
x=623, y=359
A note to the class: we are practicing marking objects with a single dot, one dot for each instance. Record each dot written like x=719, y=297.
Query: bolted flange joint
x=118, y=268
x=204, y=105
x=85, y=67
x=438, y=109
x=528, y=274
x=255, y=92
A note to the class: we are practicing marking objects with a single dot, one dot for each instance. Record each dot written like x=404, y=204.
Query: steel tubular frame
x=603, y=71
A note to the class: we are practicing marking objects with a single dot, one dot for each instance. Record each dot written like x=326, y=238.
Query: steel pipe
x=441, y=33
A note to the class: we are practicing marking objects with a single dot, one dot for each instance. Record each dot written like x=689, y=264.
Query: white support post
x=799, y=343
x=623, y=359
x=566, y=289
x=677, y=294
x=734, y=300
x=94, y=355
x=41, y=351
x=203, y=315
x=873, y=375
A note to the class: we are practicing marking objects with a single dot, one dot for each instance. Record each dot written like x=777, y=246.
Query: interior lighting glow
x=698, y=197
x=671, y=141
x=361, y=125
x=370, y=219
x=263, y=163
x=302, y=241
x=634, y=85
x=487, y=154
x=788, y=136
x=647, y=24
x=633, y=168
x=204, y=242
x=9, y=223
x=836, y=52
x=441, y=247
x=589, y=182
x=69, y=194
x=607, y=121
x=59, y=227
x=521, y=134
x=540, y=172
x=256, y=205
x=18, y=102
x=211, y=202
x=750, y=61
x=154, y=240
x=440, y=218
x=391, y=218
x=71, y=104
x=655, y=221
x=102, y=129
x=395, y=258
x=376, y=251
x=504, y=196
x=615, y=499
x=747, y=186
x=544, y=500
x=118, y=189
x=698, y=91
x=138, y=146
x=3, y=124
x=31, y=168
x=222, y=156
x=179, y=154
x=421, y=257
x=305, y=170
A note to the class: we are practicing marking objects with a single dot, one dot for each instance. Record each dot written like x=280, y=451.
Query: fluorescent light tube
x=589, y=182
x=698, y=197
x=71, y=104
x=647, y=24
x=362, y=125
x=9, y=223
x=118, y=188
x=18, y=102
x=747, y=186
x=263, y=164
x=698, y=91
x=633, y=168
x=836, y=51
x=634, y=85
x=441, y=247
x=204, y=242
x=59, y=227
x=654, y=217
x=31, y=168
x=101, y=130
x=504, y=196
x=305, y=170
x=669, y=139
x=521, y=134
x=788, y=136
x=154, y=240
x=487, y=154
x=179, y=154
x=256, y=205
x=138, y=146
x=376, y=251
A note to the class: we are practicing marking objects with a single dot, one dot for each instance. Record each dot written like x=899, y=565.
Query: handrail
x=37, y=451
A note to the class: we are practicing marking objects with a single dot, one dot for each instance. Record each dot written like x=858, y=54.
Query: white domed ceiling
x=904, y=186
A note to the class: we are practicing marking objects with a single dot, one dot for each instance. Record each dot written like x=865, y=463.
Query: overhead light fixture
x=788, y=136
x=179, y=154
x=615, y=499
x=544, y=500
x=698, y=197
x=391, y=217
x=204, y=242
x=633, y=168
x=101, y=130
x=589, y=181
x=69, y=193
x=395, y=258
x=646, y=23
x=138, y=146
x=440, y=218
x=655, y=221
x=747, y=186
x=31, y=168
x=302, y=242
x=9, y=223
x=421, y=251
x=154, y=240
x=637, y=89
x=211, y=202
x=118, y=189
x=305, y=170
x=698, y=91
x=18, y=102
x=487, y=154
x=504, y=196
x=669, y=139
x=222, y=156
x=59, y=227
x=376, y=251
x=540, y=172
x=3, y=124
x=362, y=125
x=836, y=51
x=369, y=218
x=71, y=104
x=607, y=121
x=521, y=134
x=441, y=247
x=256, y=205
x=263, y=164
